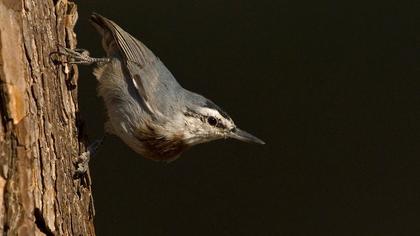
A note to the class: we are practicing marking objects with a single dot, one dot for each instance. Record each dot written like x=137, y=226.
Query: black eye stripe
x=205, y=119
x=211, y=105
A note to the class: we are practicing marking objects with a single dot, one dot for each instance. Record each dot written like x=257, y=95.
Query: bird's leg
x=82, y=161
x=77, y=56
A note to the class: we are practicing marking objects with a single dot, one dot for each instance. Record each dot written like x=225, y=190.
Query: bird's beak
x=244, y=136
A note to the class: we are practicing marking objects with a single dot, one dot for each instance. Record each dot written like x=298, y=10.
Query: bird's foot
x=82, y=161
x=75, y=56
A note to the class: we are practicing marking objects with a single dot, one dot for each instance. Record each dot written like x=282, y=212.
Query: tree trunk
x=40, y=133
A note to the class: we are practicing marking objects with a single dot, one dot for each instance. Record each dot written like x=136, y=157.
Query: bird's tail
x=116, y=41
x=104, y=28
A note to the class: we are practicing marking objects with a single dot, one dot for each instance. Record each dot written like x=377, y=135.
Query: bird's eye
x=212, y=121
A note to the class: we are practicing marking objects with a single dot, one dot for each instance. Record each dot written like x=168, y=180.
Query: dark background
x=333, y=89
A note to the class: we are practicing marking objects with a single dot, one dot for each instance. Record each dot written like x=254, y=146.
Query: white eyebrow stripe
x=211, y=112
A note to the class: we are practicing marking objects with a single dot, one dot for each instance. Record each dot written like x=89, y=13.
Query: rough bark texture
x=39, y=130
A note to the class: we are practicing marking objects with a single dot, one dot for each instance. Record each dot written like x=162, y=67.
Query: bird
x=146, y=107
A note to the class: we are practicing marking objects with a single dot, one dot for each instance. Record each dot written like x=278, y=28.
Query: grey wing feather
x=142, y=65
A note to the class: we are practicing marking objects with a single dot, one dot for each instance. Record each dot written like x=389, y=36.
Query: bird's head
x=204, y=121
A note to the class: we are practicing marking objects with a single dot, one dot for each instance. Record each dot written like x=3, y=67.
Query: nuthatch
x=146, y=106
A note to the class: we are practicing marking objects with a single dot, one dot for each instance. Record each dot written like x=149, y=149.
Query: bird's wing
x=139, y=60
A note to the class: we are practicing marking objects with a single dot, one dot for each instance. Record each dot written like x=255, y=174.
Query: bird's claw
x=74, y=56
x=82, y=161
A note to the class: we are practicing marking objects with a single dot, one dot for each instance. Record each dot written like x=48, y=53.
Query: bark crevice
x=40, y=223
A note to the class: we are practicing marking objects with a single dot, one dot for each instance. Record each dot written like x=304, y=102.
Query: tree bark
x=40, y=132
